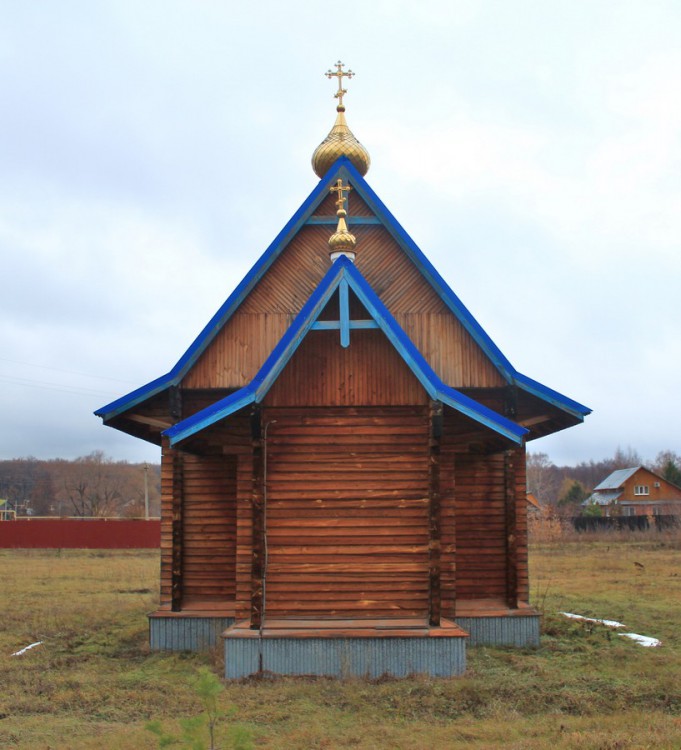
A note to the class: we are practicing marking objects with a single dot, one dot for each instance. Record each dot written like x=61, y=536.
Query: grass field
x=94, y=684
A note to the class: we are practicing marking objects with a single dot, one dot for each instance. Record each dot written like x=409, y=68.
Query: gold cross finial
x=340, y=74
x=340, y=189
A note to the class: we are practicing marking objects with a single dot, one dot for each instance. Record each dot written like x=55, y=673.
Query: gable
x=658, y=486
x=343, y=276
x=224, y=356
x=369, y=372
x=242, y=345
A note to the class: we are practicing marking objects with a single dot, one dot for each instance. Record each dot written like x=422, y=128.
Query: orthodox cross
x=339, y=188
x=340, y=74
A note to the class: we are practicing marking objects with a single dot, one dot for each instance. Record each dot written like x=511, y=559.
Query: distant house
x=533, y=505
x=636, y=491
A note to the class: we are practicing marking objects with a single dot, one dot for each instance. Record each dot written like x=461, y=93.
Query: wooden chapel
x=343, y=455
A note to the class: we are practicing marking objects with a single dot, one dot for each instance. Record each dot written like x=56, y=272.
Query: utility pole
x=146, y=491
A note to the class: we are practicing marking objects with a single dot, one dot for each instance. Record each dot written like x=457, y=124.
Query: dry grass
x=93, y=684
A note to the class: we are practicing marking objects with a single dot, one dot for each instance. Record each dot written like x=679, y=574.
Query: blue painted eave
x=134, y=397
x=552, y=397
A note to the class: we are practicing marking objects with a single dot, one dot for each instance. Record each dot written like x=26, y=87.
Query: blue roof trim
x=428, y=270
x=230, y=305
x=206, y=417
x=134, y=397
x=343, y=168
x=553, y=397
x=282, y=353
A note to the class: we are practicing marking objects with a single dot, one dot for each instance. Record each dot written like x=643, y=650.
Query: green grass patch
x=93, y=682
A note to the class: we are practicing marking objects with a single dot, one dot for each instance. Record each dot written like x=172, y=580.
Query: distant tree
x=592, y=510
x=672, y=473
x=25, y=483
x=626, y=459
x=572, y=495
x=543, y=478
x=95, y=485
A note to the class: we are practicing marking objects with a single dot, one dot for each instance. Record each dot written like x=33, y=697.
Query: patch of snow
x=24, y=650
x=607, y=623
x=642, y=640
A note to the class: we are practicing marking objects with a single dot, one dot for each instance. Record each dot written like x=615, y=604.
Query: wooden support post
x=511, y=459
x=448, y=460
x=511, y=401
x=177, y=529
x=175, y=403
x=434, y=530
x=244, y=529
x=258, y=486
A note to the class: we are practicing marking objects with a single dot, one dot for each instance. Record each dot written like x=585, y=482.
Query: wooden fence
x=625, y=523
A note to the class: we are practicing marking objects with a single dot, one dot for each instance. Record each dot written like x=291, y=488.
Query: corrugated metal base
x=186, y=633
x=345, y=657
x=520, y=630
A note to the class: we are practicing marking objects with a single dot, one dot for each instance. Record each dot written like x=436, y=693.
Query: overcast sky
x=150, y=152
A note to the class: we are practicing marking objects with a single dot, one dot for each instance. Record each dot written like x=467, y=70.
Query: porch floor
x=491, y=608
x=407, y=627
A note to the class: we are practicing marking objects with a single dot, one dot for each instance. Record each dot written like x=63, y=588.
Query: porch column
x=434, y=508
x=244, y=528
x=511, y=470
x=174, y=458
x=258, y=527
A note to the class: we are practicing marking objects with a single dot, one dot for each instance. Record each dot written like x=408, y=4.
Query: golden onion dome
x=341, y=140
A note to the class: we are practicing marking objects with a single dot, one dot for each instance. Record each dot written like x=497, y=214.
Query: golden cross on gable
x=340, y=74
x=340, y=189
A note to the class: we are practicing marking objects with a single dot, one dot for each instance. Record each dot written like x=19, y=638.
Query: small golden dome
x=342, y=241
x=340, y=141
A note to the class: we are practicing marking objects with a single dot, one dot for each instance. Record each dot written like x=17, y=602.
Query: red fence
x=76, y=533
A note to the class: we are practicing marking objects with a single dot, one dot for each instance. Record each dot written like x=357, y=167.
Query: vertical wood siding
x=241, y=347
x=347, y=512
x=354, y=205
x=369, y=372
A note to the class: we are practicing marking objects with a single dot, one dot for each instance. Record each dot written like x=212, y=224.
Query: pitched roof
x=344, y=169
x=603, y=497
x=615, y=480
x=343, y=271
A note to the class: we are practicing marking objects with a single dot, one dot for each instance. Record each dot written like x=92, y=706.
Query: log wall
x=347, y=512
x=198, y=530
x=490, y=537
x=209, y=529
x=480, y=527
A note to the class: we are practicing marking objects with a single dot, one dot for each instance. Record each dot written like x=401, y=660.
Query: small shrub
x=208, y=689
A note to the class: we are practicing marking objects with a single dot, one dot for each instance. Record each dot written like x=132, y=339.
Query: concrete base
x=518, y=630
x=186, y=632
x=354, y=652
